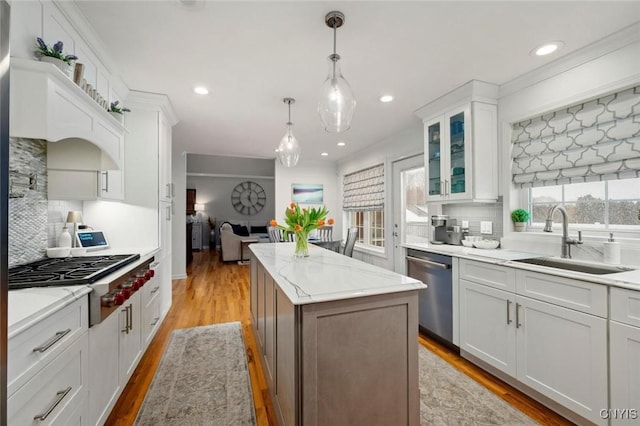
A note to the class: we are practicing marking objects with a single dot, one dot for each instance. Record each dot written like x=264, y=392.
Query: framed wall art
x=304, y=193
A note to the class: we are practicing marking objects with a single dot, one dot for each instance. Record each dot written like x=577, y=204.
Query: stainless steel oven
x=435, y=303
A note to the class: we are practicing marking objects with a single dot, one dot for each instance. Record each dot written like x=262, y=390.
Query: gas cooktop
x=67, y=270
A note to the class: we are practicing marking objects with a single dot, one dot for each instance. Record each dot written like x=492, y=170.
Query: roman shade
x=364, y=189
x=590, y=141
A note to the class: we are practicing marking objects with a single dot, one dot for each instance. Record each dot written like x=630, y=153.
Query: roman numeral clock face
x=248, y=198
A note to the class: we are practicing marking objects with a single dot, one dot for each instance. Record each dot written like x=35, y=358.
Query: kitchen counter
x=628, y=279
x=325, y=323
x=29, y=305
x=326, y=275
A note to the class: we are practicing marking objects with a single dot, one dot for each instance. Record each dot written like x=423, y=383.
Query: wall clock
x=248, y=198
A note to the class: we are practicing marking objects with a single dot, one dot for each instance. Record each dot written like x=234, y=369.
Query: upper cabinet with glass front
x=461, y=140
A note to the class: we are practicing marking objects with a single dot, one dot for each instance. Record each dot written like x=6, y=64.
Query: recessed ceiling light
x=547, y=48
x=276, y=150
x=341, y=144
x=386, y=98
x=324, y=154
x=201, y=90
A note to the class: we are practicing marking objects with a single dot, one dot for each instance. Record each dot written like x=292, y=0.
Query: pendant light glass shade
x=337, y=102
x=289, y=148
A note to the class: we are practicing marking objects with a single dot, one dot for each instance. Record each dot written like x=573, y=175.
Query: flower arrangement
x=117, y=108
x=301, y=221
x=55, y=52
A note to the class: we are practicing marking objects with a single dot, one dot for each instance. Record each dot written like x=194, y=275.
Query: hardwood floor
x=216, y=292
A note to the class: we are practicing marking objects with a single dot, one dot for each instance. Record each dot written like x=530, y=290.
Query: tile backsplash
x=34, y=222
x=476, y=213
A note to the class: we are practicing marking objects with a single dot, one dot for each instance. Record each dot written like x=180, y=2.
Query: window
x=602, y=205
x=370, y=226
x=416, y=218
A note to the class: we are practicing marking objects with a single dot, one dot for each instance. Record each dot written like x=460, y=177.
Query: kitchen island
x=337, y=337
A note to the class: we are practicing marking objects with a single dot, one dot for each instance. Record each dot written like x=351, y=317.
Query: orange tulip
x=273, y=222
x=298, y=228
x=330, y=221
x=321, y=223
x=292, y=205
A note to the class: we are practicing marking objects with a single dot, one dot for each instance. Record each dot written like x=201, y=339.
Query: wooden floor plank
x=217, y=292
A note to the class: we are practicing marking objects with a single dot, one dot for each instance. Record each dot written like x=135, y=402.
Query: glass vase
x=302, y=245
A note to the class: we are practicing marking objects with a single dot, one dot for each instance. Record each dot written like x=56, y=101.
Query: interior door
x=410, y=218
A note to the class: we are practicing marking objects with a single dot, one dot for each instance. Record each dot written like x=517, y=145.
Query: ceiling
x=250, y=55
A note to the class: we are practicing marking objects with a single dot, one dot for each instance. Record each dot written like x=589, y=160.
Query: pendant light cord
x=289, y=103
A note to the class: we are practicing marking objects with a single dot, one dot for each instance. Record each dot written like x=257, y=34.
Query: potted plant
x=55, y=55
x=520, y=218
x=117, y=110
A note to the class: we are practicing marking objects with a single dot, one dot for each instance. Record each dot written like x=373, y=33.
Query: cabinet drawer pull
x=126, y=319
x=518, y=325
x=154, y=265
x=155, y=321
x=55, y=339
x=59, y=397
x=130, y=318
x=156, y=288
x=509, y=320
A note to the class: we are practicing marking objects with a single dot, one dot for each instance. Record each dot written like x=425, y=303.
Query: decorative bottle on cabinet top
x=64, y=239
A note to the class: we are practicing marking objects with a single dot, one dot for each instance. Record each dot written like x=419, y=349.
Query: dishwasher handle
x=429, y=262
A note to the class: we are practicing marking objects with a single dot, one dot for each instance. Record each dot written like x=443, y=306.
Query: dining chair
x=325, y=233
x=275, y=235
x=352, y=236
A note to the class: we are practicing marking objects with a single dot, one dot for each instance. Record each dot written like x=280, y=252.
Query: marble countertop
x=28, y=306
x=628, y=279
x=326, y=275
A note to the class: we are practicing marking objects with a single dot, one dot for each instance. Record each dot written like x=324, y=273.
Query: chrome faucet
x=566, y=241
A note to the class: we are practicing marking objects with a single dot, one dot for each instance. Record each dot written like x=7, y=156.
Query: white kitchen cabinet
x=461, y=144
x=486, y=325
x=130, y=345
x=166, y=186
x=624, y=343
x=164, y=256
x=111, y=185
x=539, y=329
x=151, y=314
x=57, y=394
x=562, y=354
x=47, y=368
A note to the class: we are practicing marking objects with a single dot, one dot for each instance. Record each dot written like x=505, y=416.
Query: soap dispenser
x=612, y=251
x=64, y=239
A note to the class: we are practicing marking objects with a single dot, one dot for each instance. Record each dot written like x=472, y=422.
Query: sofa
x=231, y=236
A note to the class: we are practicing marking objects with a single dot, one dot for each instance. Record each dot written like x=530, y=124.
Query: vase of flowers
x=117, y=111
x=55, y=55
x=301, y=221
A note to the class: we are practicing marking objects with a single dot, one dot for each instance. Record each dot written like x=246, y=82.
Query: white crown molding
x=615, y=41
x=153, y=102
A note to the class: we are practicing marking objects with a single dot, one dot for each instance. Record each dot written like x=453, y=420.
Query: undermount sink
x=573, y=265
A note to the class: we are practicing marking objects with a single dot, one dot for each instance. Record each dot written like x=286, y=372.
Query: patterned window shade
x=364, y=189
x=595, y=140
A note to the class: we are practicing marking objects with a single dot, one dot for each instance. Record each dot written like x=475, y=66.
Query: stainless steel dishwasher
x=435, y=305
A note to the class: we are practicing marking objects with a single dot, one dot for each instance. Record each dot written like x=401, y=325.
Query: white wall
x=125, y=225
x=405, y=144
x=178, y=225
x=215, y=193
x=309, y=172
x=607, y=66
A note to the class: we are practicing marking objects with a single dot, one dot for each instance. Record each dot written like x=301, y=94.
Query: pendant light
x=337, y=103
x=289, y=148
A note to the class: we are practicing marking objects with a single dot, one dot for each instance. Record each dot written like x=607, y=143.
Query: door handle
x=428, y=262
x=509, y=320
x=518, y=324
x=126, y=320
x=55, y=339
x=59, y=397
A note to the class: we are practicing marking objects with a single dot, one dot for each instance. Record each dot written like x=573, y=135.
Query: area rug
x=201, y=380
x=449, y=397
